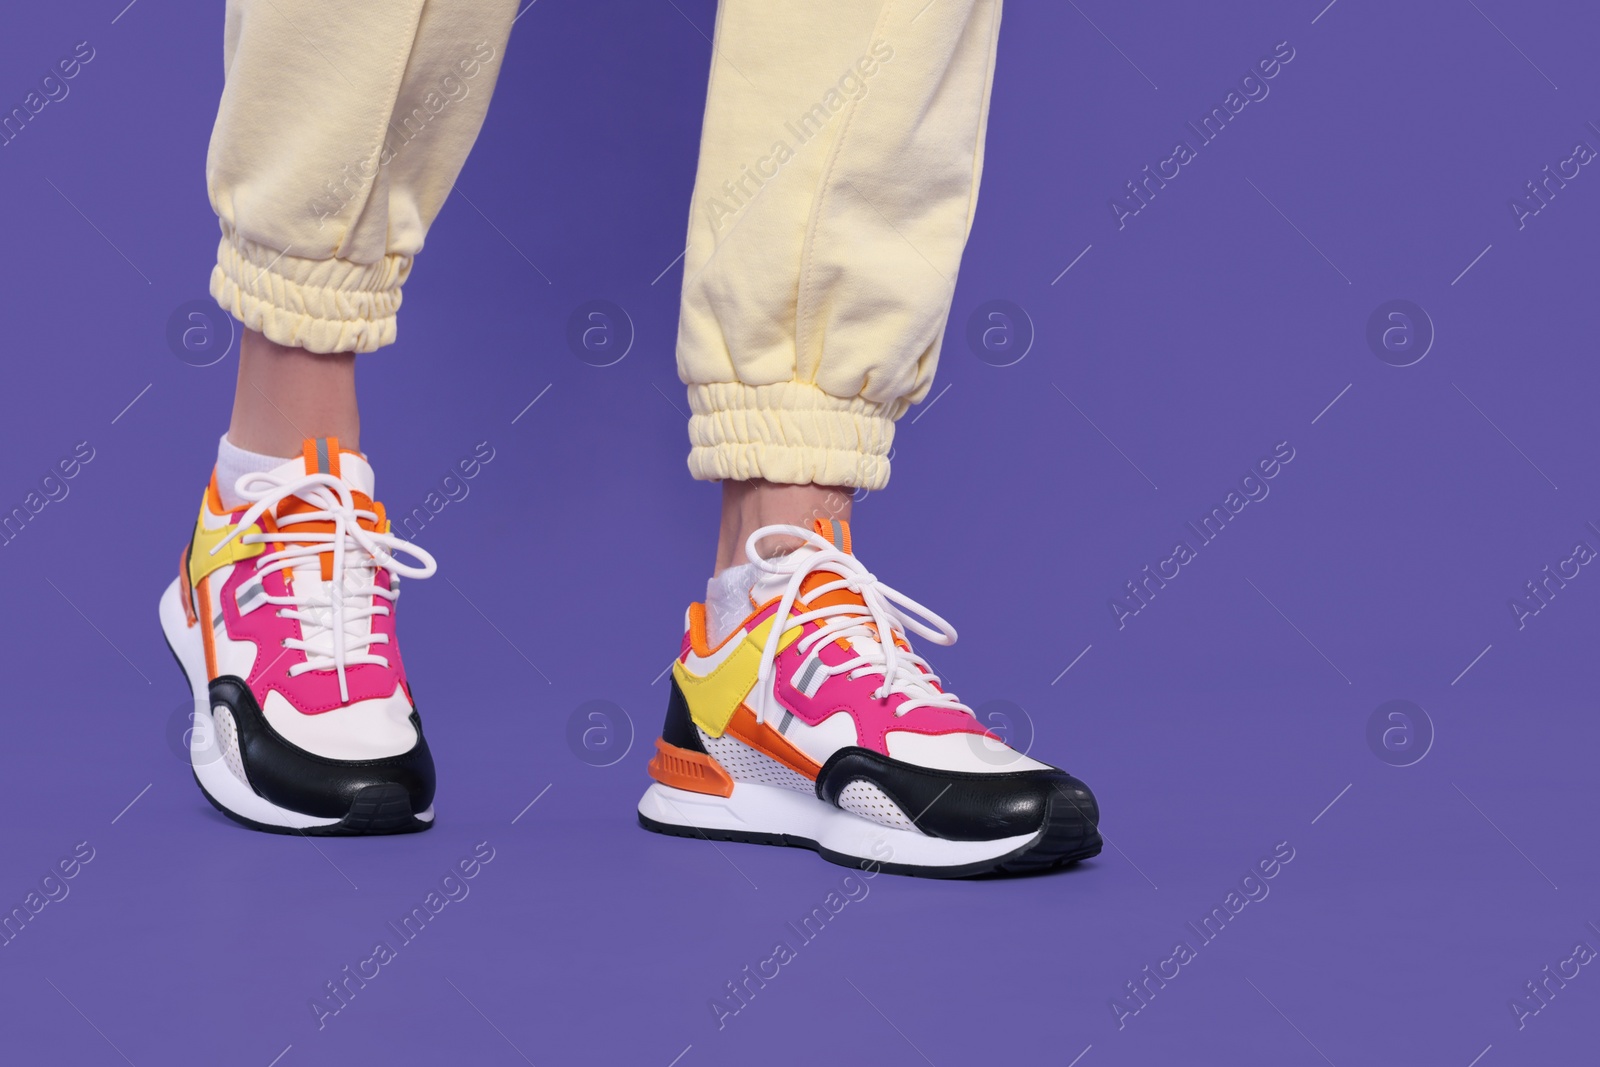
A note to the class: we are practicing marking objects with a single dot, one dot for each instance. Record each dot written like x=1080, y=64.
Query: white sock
x=233, y=463
x=728, y=600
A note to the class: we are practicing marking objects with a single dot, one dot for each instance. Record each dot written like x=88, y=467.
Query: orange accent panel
x=697, y=630
x=214, y=496
x=828, y=600
x=769, y=742
x=286, y=512
x=184, y=589
x=693, y=772
x=292, y=506
x=698, y=640
x=206, y=636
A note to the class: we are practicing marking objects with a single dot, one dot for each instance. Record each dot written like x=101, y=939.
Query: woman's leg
x=838, y=174
x=340, y=134
x=341, y=130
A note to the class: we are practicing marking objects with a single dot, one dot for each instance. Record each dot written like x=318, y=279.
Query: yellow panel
x=713, y=698
x=202, y=563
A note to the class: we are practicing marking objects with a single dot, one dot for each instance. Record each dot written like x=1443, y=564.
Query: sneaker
x=282, y=617
x=815, y=725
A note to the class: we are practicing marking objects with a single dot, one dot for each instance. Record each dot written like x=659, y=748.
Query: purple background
x=1207, y=330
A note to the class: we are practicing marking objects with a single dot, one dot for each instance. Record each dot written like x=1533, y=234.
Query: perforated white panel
x=228, y=741
x=748, y=765
x=870, y=802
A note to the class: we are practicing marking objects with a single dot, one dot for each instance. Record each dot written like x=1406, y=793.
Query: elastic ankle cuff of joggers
x=321, y=305
x=790, y=432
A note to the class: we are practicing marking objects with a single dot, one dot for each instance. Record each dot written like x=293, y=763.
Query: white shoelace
x=325, y=621
x=870, y=631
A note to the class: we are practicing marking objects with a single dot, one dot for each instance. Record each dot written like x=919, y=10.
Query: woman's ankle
x=285, y=395
x=747, y=506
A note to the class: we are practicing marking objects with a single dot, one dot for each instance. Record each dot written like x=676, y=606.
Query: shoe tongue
x=837, y=533
x=323, y=455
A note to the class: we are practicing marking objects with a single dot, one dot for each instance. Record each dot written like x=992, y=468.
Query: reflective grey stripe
x=788, y=717
x=838, y=535
x=803, y=683
x=250, y=596
x=322, y=456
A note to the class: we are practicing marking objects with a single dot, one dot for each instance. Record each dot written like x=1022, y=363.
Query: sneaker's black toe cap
x=969, y=806
x=368, y=796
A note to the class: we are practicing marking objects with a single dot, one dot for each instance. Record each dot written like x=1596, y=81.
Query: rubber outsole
x=1066, y=838
x=376, y=811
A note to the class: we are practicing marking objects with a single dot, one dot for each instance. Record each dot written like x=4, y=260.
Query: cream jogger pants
x=838, y=172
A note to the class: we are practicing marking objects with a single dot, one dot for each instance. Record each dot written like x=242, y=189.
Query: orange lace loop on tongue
x=321, y=456
x=835, y=531
x=829, y=599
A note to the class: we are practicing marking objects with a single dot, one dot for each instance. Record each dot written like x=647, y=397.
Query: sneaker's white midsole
x=770, y=809
x=209, y=766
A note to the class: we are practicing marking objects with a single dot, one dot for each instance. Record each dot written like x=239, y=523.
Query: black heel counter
x=679, y=729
